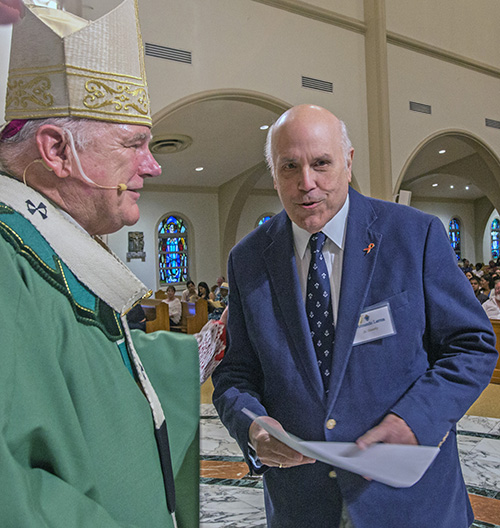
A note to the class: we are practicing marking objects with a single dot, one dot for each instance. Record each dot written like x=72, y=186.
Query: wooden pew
x=160, y=294
x=157, y=315
x=496, y=373
x=194, y=317
x=200, y=319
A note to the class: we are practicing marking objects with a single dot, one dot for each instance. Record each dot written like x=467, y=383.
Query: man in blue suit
x=432, y=357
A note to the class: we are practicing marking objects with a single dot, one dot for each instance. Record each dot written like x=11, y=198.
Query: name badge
x=374, y=323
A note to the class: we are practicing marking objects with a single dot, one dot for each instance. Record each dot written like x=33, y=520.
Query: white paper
x=397, y=465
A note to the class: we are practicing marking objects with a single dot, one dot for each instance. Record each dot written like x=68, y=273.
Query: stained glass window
x=173, y=250
x=454, y=234
x=495, y=239
x=264, y=218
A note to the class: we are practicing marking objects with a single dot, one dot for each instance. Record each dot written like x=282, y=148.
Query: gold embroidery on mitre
x=111, y=74
x=37, y=91
x=123, y=97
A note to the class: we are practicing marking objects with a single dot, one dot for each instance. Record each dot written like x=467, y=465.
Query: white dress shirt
x=491, y=307
x=174, y=309
x=333, y=253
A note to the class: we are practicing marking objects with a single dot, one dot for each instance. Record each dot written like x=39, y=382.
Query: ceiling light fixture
x=442, y=151
x=199, y=169
x=467, y=187
x=169, y=144
x=452, y=186
x=435, y=184
x=264, y=127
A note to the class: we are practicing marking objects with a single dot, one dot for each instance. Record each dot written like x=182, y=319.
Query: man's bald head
x=302, y=115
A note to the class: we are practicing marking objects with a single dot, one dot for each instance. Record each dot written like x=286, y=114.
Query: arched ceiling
x=226, y=140
x=448, y=169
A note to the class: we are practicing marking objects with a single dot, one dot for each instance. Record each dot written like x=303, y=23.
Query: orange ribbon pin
x=369, y=248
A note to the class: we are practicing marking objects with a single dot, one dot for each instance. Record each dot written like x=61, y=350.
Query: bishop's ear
x=54, y=150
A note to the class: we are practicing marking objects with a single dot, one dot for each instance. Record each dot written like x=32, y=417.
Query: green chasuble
x=77, y=435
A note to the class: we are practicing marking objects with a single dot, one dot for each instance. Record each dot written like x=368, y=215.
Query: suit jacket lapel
x=357, y=271
x=279, y=257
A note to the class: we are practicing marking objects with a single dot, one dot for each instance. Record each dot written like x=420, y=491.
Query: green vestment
x=77, y=443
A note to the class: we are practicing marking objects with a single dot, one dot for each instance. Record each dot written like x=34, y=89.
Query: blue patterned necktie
x=319, y=307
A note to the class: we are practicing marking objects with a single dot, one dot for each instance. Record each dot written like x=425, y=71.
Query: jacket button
x=331, y=423
x=332, y=474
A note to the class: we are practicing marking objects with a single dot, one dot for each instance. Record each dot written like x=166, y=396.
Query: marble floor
x=230, y=498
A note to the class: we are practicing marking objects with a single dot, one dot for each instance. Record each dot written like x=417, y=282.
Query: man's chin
x=310, y=224
x=113, y=227
x=132, y=216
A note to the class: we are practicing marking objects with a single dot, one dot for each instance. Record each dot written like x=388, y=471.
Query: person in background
x=136, y=318
x=215, y=289
x=83, y=435
x=306, y=289
x=220, y=303
x=224, y=293
x=467, y=267
x=481, y=297
x=492, y=267
x=478, y=271
x=492, y=305
x=174, y=306
x=189, y=294
x=484, y=283
x=203, y=291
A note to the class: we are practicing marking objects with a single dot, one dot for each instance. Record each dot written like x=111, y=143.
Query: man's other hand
x=391, y=430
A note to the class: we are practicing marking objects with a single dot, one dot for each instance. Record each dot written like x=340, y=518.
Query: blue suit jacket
x=429, y=373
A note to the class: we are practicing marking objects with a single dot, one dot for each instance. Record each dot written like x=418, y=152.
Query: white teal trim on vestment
x=100, y=270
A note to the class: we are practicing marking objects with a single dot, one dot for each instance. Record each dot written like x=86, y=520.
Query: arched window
x=454, y=234
x=263, y=219
x=173, y=263
x=495, y=239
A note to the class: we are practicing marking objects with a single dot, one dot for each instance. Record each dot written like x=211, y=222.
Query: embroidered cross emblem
x=32, y=208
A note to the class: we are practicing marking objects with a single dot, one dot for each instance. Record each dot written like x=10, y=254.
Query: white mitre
x=62, y=65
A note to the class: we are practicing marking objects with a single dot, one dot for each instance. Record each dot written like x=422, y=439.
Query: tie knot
x=317, y=241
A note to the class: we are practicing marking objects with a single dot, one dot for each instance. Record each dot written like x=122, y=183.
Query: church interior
x=417, y=84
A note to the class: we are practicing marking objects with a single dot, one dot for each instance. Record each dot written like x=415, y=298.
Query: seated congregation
x=187, y=311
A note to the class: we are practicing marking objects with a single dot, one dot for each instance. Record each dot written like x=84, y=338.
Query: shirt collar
x=334, y=230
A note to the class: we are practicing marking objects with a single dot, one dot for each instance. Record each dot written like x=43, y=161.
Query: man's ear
x=349, y=164
x=54, y=150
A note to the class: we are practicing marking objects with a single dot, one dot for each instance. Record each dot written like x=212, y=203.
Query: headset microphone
x=121, y=187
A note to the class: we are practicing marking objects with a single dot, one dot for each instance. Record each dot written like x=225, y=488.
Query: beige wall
x=350, y=8
x=464, y=27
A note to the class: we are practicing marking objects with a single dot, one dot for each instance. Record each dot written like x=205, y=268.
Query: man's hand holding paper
x=271, y=451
